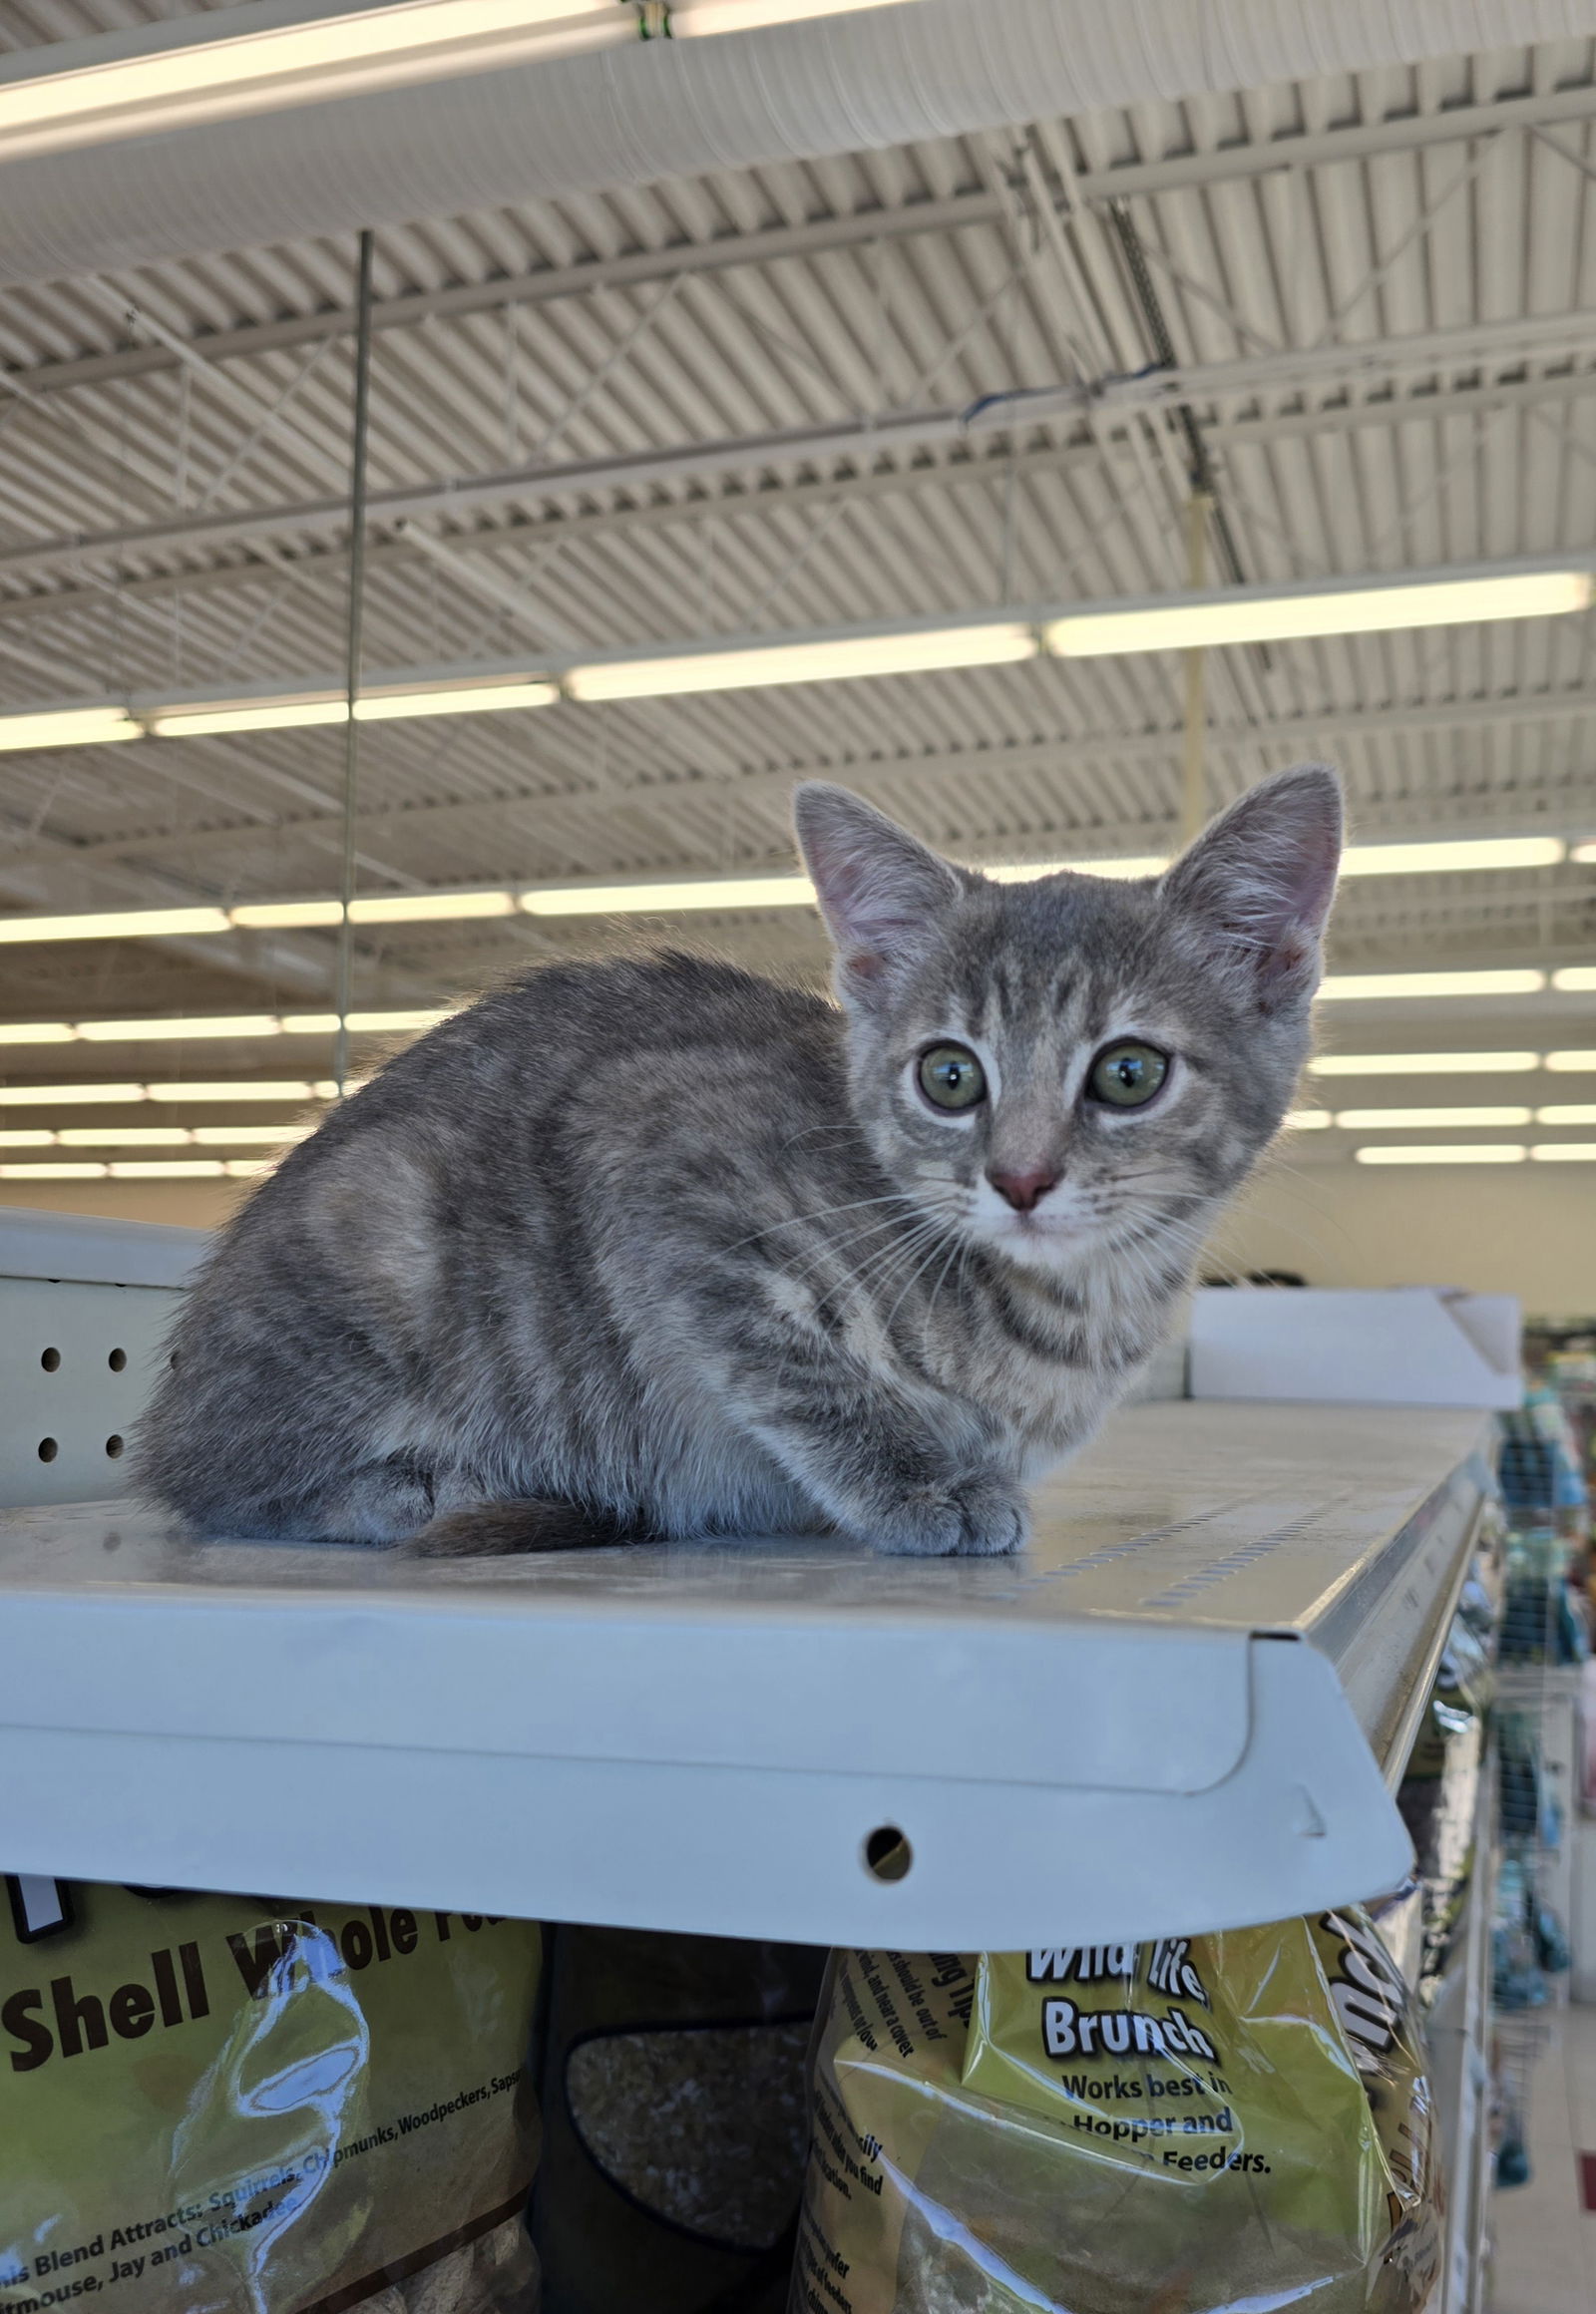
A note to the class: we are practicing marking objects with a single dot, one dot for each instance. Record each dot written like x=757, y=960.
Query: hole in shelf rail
x=114, y=1444
x=48, y=1450
x=117, y=1360
x=50, y=1360
x=888, y=1854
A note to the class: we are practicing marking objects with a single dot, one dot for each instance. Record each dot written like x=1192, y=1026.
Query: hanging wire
x=357, y=605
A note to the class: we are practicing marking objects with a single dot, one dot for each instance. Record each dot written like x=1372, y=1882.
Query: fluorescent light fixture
x=1585, y=853
x=50, y=1096
x=1344, y=987
x=1458, y=1153
x=194, y=1026
x=1567, y=1113
x=122, y=1136
x=66, y=727
x=53, y=1172
x=238, y=1089
x=245, y=1136
x=258, y=715
x=285, y=914
x=1307, y=1121
x=430, y=906
x=1576, y=979
x=365, y=1024
x=1411, y=1120
x=459, y=699
x=37, y=1032
x=1564, y=1152
x=24, y=1139
x=1572, y=1063
x=166, y=1169
x=1423, y=1063
x=1280, y=614
x=116, y=924
x=1445, y=858
x=644, y=899
x=838, y=661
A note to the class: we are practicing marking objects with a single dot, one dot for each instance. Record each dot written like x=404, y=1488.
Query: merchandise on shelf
x=1191, y=2125
x=233, y=2102
x=1438, y=1793
x=674, y=2091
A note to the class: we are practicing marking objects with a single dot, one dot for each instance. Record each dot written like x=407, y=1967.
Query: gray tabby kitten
x=656, y=1248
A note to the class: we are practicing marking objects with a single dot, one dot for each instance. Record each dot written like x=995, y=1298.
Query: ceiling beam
x=770, y=244
x=1336, y=369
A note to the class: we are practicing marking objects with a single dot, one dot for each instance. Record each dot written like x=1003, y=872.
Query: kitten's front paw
x=980, y=1517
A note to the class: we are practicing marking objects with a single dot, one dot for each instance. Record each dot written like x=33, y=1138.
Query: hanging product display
x=229, y=2104
x=1188, y=2126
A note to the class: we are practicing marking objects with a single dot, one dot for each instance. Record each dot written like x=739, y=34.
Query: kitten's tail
x=492, y=1529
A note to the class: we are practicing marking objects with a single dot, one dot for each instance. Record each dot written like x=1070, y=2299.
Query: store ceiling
x=1390, y=349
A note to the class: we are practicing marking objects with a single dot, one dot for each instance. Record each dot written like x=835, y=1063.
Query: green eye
x=1127, y=1075
x=951, y=1077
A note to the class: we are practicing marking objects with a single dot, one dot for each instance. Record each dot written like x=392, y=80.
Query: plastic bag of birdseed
x=229, y=2104
x=1200, y=2126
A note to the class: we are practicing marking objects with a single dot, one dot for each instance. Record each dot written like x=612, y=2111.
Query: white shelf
x=1182, y=1709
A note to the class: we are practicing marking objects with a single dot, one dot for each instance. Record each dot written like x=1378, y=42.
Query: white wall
x=1525, y=1229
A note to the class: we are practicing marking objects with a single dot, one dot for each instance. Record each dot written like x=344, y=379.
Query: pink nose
x=1024, y=1191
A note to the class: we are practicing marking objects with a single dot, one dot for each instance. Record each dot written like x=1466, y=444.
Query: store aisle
x=1546, y=2230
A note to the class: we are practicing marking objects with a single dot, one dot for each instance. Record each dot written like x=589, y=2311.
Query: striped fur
x=686, y=1250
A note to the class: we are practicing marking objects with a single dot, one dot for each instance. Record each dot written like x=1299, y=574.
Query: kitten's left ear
x=1262, y=877
x=880, y=890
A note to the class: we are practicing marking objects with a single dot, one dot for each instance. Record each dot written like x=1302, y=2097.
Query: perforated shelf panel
x=1180, y=1710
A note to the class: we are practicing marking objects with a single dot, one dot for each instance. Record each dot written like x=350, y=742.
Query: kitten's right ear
x=1262, y=878
x=880, y=890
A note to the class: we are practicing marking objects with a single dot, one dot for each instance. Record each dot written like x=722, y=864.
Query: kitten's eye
x=951, y=1077
x=1127, y=1075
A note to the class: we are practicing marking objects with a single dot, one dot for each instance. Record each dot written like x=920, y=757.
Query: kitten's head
x=1066, y=1065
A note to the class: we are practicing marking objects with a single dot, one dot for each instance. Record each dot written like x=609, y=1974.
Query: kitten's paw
x=980, y=1517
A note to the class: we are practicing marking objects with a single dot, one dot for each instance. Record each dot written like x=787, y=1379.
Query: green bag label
x=220, y=2102
x=1189, y=2126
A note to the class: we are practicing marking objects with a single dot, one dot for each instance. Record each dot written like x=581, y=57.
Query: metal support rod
x=1193, y=802
x=357, y=607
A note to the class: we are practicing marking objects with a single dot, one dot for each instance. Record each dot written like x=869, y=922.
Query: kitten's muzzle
x=1024, y=1191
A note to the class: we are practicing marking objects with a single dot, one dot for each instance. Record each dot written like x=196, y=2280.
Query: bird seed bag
x=1194, y=2125
x=227, y=2104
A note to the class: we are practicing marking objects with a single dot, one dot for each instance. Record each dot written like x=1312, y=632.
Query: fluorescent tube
x=644, y=898
x=66, y=727
x=802, y=663
x=1442, y=859
x=1307, y=1121
x=115, y=924
x=1564, y=1152
x=1246, y=615
x=1567, y=1113
x=1423, y=1063
x=1572, y=1063
x=1575, y=978
x=459, y=699
x=198, y=1025
x=1340, y=986
x=1411, y=1120
x=1458, y=1153
x=122, y=1136
x=44, y=1096
x=53, y=1172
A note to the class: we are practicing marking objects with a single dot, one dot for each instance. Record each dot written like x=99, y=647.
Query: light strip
x=1572, y=1063
x=660, y=896
x=755, y=665
x=1426, y=1063
x=373, y=707
x=1460, y=1153
x=1563, y=1152
x=1306, y=1121
x=1585, y=853
x=1567, y=1113
x=1247, y=615
x=1576, y=979
x=105, y=1096
x=1411, y=1120
x=200, y=1025
x=66, y=727
x=155, y=1137
x=142, y=1169
x=1352, y=986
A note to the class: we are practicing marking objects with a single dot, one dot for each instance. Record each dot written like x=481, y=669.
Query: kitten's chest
x=1049, y=1368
